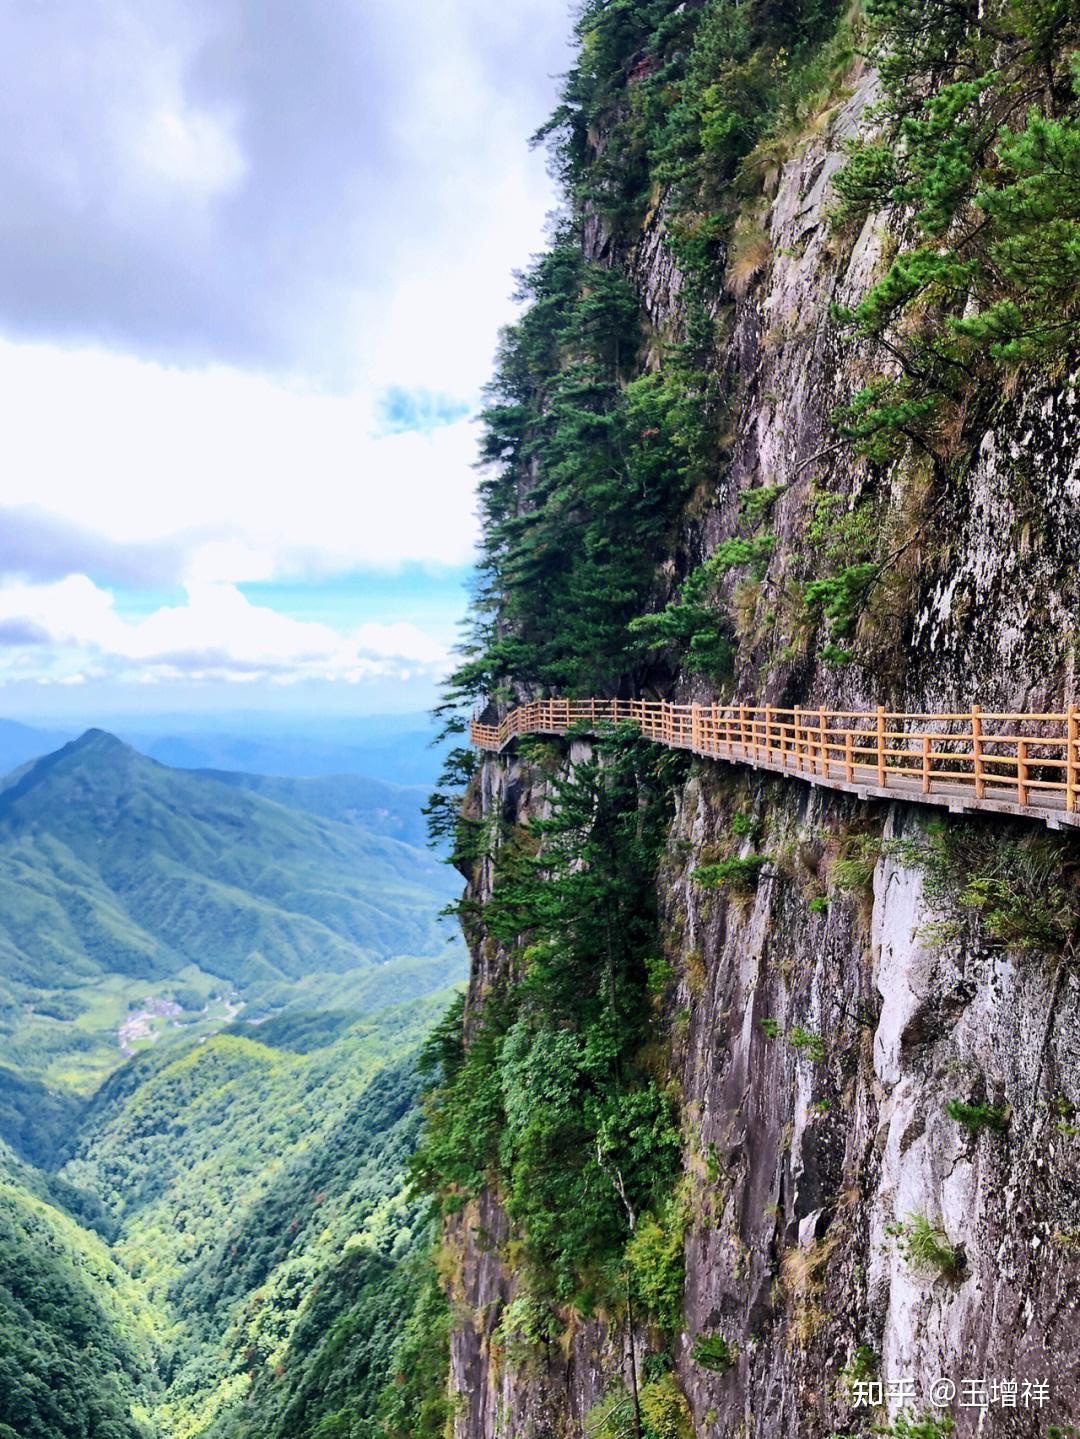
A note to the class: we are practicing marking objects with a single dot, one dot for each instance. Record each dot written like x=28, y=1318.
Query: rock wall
x=802, y=1163
x=795, y=1254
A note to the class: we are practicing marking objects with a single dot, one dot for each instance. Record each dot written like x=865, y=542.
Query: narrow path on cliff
x=1018, y=764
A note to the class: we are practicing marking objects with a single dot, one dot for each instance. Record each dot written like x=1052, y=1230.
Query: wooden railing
x=974, y=759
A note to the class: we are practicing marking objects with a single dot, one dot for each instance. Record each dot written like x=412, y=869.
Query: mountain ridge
x=122, y=879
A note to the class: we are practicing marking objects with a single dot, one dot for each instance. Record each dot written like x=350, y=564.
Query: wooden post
x=715, y=746
x=742, y=728
x=823, y=744
x=977, y=750
x=926, y=764
x=695, y=728
x=768, y=733
x=849, y=758
x=882, y=773
x=1072, y=756
x=795, y=726
x=1021, y=770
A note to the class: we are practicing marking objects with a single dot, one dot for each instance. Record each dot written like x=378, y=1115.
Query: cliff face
x=803, y=1162
x=843, y=1224
x=820, y=1158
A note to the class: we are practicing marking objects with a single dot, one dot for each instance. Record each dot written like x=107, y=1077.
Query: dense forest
x=207, y=1227
x=230, y=1249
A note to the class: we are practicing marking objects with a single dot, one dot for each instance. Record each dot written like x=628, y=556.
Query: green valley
x=214, y=990
x=130, y=888
x=78, y=1342
x=232, y=1212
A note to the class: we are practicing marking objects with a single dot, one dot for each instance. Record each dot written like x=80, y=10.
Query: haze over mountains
x=394, y=748
x=372, y=804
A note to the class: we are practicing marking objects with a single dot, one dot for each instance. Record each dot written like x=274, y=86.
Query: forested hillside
x=127, y=887
x=78, y=1345
x=215, y=995
x=762, y=1095
x=253, y=1257
x=257, y=1188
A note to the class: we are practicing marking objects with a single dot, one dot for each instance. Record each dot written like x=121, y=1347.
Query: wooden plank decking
x=1017, y=764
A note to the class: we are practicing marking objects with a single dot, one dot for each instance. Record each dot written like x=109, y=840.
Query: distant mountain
x=404, y=758
x=395, y=750
x=126, y=883
x=372, y=804
x=20, y=742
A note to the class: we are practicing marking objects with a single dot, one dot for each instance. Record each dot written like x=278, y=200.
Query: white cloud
x=210, y=479
x=255, y=182
x=185, y=150
x=242, y=476
x=233, y=229
x=218, y=634
x=72, y=611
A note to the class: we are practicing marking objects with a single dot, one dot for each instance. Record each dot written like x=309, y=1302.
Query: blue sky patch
x=433, y=599
x=403, y=411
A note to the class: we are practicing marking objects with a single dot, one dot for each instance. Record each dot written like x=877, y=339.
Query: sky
x=254, y=258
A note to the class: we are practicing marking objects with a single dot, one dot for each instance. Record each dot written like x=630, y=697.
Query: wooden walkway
x=1018, y=764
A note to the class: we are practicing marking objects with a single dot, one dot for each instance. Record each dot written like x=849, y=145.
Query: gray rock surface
x=792, y=1252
